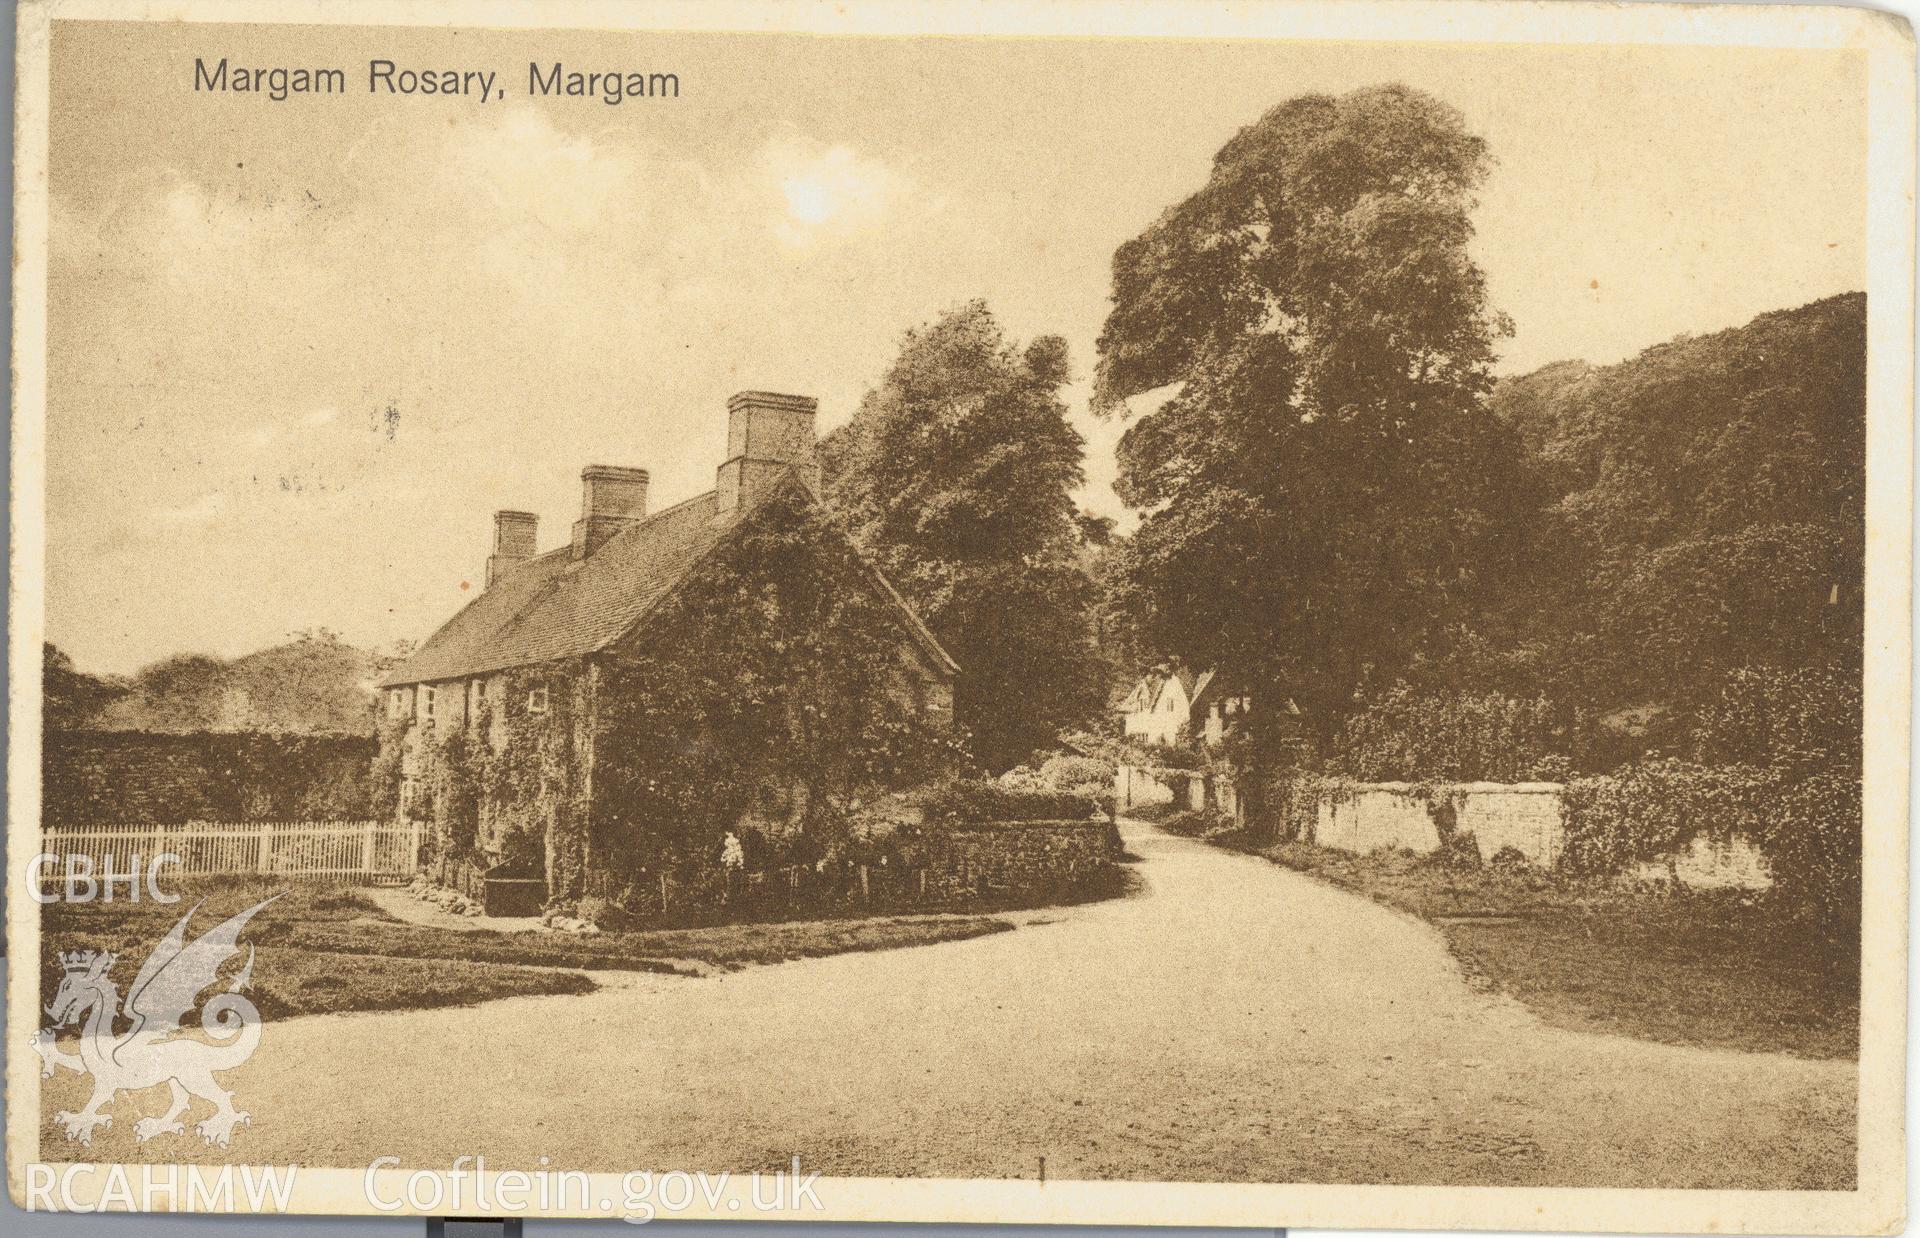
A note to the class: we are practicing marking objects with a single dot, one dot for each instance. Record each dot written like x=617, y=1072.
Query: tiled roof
x=1197, y=690
x=556, y=606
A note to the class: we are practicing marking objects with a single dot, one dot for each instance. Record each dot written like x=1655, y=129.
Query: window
x=396, y=702
x=476, y=697
x=537, y=699
x=407, y=788
x=426, y=704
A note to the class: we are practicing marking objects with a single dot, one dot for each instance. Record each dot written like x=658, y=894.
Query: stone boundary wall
x=1369, y=816
x=1136, y=787
x=1526, y=816
x=1017, y=858
x=135, y=778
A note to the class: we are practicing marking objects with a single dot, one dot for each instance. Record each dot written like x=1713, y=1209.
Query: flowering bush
x=1090, y=778
x=1066, y=771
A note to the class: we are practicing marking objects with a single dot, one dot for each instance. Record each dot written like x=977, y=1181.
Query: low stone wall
x=1369, y=816
x=1135, y=787
x=132, y=778
x=1524, y=816
x=1020, y=859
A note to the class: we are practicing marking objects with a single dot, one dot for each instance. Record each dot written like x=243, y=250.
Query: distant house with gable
x=1172, y=703
x=1169, y=706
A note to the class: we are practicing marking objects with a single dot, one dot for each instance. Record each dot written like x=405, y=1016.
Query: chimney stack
x=767, y=434
x=612, y=499
x=514, y=537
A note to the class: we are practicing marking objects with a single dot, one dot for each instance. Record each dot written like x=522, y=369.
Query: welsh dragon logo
x=156, y=1049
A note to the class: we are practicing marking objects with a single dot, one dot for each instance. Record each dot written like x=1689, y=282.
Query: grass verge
x=1717, y=969
x=331, y=949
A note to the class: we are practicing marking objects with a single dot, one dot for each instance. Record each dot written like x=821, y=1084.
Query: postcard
x=1261, y=614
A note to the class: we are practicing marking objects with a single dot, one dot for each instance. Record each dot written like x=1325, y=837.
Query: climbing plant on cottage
x=775, y=679
x=605, y=714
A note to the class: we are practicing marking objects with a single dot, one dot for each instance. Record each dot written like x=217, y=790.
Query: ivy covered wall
x=776, y=692
x=505, y=781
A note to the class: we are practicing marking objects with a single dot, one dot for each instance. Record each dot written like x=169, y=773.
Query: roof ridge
x=564, y=607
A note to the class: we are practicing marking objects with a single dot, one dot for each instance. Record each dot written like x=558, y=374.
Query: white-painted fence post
x=264, y=863
x=366, y=849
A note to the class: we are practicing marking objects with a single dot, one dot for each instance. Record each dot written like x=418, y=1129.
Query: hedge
x=961, y=800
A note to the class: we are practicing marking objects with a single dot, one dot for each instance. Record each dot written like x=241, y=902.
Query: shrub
x=1647, y=810
x=1068, y=772
x=960, y=800
x=1812, y=840
x=1455, y=737
x=1808, y=827
x=1795, y=721
x=1088, y=779
x=1457, y=852
x=1285, y=806
x=1509, y=859
x=1024, y=778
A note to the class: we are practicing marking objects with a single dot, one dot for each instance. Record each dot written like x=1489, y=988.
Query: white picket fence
x=369, y=852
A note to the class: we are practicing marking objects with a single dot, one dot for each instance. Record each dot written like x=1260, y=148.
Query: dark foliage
x=314, y=684
x=773, y=682
x=968, y=800
x=70, y=698
x=137, y=778
x=956, y=473
x=1708, y=515
x=1326, y=486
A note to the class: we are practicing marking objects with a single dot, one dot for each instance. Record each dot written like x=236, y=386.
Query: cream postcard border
x=1877, y=1206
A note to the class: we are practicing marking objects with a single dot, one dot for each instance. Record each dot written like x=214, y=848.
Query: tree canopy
x=956, y=473
x=1323, y=485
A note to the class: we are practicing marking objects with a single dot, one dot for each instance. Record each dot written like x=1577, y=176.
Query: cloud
x=830, y=192
x=522, y=171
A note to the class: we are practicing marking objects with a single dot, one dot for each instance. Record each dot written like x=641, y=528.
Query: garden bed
x=332, y=949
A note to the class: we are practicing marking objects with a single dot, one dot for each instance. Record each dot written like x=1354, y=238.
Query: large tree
x=1323, y=487
x=956, y=474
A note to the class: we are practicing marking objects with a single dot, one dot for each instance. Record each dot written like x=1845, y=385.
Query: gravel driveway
x=1233, y=1021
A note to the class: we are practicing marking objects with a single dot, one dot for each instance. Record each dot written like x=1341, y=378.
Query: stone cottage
x=517, y=729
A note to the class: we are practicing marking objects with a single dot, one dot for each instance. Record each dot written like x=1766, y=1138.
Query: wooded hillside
x=313, y=684
x=1701, y=511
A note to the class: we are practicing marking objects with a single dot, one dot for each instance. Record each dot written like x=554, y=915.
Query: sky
x=300, y=351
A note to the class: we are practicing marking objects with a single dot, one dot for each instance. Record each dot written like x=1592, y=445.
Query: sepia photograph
x=1290, y=614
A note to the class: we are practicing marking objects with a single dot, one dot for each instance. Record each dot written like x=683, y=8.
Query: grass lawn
x=327, y=949
x=1716, y=969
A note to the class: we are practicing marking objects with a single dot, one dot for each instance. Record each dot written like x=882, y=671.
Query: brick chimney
x=611, y=499
x=514, y=538
x=767, y=434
